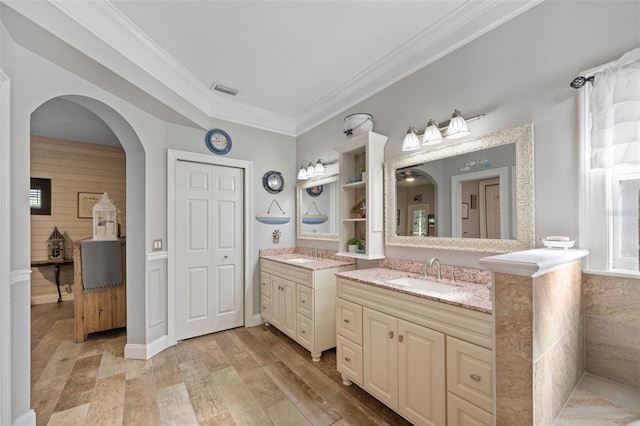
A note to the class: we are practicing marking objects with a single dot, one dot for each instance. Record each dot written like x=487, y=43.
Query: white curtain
x=615, y=114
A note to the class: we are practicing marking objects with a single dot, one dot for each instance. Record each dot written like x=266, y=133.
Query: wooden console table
x=57, y=263
x=97, y=310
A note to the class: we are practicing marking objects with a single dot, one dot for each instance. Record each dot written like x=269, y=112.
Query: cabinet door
x=288, y=306
x=380, y=356
x=421, y=371
x=276, y=301
x=469, y=372
x=265, y=307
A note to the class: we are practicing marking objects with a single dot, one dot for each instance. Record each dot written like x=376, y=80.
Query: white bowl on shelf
x=557, y=244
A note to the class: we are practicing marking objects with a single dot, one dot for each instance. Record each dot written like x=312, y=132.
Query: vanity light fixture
x=434, y=133
x=411, y=141
x=313, y=170
x=302, y=173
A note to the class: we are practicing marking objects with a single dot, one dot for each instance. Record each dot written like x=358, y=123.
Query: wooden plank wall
x=72, y=167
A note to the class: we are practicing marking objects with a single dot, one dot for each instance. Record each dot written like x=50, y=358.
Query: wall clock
x=218, y=141
x=273, y=182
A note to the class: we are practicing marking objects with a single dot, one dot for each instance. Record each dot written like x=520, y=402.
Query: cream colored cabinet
x=300, y=302
x=283, y=310
x=361, y=209
x=393, y=345
x=469, y=382
x=404, y=367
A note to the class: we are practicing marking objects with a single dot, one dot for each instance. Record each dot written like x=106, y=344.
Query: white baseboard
x=50, y=298
x=256, y=320
x=134, y=351
x=27, y=419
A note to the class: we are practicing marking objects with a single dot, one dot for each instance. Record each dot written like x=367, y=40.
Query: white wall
x=145, y=139
x=517, y=73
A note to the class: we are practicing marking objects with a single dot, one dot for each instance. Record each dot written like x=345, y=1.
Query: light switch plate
x=157, y=245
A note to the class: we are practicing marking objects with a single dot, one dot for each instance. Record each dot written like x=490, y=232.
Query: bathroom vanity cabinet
x=429, y=361
x=300, y=302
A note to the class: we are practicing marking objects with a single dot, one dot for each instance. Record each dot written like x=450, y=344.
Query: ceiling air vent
x=224, y=89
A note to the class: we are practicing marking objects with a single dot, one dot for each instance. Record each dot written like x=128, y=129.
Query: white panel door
x=209, y=263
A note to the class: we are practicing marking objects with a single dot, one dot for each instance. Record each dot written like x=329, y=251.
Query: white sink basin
x=301, y=260
x=425, y=285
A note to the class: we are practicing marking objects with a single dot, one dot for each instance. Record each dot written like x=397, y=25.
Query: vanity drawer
x=461, y=412
x=469, y=372
x=265, y=283
x=304, y=300
x=305, y=332
x=265, y=307
x=349, y=360
x=349, y=320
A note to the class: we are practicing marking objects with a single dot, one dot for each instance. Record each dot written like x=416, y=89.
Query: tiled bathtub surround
x=467, y=275
x=612, y=327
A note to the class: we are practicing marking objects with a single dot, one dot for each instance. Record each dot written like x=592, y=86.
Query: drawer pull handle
x=346, y=358
x=475, y=377
x=303, y=332
x=391, y=335
x=304, y=301
x=347, y=321
x=264, y=307
x=400, y=338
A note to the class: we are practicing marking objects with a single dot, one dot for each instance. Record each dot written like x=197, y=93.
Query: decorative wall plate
x=218, y=141
x=315, y=191
x=273, y=182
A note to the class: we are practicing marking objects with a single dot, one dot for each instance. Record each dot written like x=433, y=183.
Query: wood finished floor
x=244, y=376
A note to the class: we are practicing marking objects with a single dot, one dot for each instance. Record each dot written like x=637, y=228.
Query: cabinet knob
x=346, y=358
x=391, y=335
x=303, y=332
x=475, y=377
x=400, y=338
x=264, y=307
x=347, y=321
x=304, y=301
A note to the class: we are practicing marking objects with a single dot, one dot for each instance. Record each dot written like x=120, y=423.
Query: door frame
x=502, y=173
x=173, y=156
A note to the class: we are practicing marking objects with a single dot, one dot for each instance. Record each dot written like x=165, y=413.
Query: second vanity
x=425, y=353
x=298, y=295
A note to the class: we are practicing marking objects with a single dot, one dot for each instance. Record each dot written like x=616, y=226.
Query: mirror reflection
x=317, y=209
x=476, y=194
x=465, y=196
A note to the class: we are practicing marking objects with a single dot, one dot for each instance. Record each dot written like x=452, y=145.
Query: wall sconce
x=313, y=170
x=434, y=132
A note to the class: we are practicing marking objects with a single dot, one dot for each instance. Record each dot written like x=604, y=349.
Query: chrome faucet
x=438, y=271
x=314, y=251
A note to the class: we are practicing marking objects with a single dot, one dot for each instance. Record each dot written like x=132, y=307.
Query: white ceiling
x=295, y=63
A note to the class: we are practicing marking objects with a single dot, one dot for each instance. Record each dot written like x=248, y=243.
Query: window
x=40, y=196
x=610, y=164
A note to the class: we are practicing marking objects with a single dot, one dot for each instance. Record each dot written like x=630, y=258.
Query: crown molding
x=152, y=65
x=466, y=23
x=106, y=22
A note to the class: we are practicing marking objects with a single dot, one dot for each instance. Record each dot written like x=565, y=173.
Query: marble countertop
x=315, y=265
x=532, y=263
x=471, y=296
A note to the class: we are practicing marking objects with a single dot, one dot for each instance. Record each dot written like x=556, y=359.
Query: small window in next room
x=40, y=196
x=610, y=166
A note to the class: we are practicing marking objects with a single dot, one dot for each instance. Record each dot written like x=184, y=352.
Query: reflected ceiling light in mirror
x=411, y=141
x=311, y=170
x=458, y=127
x=314, y=170
x=318, y=169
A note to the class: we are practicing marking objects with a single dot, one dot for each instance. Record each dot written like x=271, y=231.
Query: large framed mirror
x=474, y=195
x=317, y=212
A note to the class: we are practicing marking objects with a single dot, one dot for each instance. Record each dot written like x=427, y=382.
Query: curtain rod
x=580, y=81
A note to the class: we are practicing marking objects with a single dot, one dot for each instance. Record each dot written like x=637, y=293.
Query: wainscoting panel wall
x=72, y=167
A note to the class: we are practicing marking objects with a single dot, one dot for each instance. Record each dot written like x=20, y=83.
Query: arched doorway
x=70, y=106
